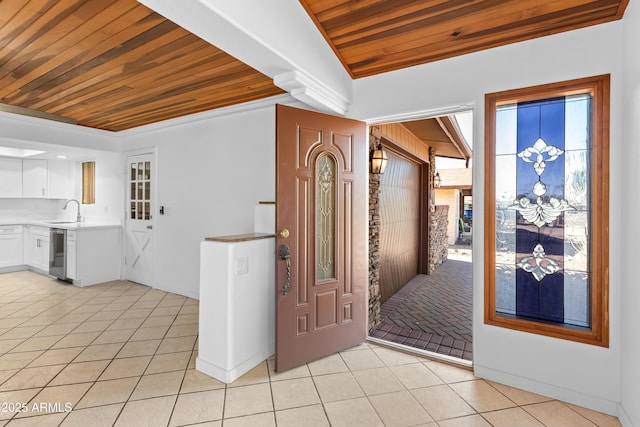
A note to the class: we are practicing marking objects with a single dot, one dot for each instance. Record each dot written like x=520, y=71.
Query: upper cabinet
x=10, y=177
x=34, y=179
x=60, y=179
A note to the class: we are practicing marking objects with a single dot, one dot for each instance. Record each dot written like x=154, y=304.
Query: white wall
x=35, y=209
x=211, y=174
x=579, y=373
x=109, y=189
x=630, y=412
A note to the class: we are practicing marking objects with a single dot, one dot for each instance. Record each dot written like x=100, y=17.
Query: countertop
x=61, y=223
x=240, y=237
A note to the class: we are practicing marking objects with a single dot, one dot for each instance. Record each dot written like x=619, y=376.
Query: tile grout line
x=72, y=361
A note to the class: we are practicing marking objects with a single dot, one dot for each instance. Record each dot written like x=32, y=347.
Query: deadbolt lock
x=284, y=233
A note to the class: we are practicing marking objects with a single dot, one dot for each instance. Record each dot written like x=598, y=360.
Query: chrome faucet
x=78, y=218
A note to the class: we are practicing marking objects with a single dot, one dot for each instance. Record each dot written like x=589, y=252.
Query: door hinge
x=125, y=260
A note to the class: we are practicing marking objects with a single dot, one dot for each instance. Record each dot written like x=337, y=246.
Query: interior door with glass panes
x=139, y=222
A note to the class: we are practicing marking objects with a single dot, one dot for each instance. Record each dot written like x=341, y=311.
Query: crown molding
x=421, y=114
x=312, y=92
x=208, y=115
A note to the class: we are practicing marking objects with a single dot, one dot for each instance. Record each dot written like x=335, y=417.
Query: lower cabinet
x=37, y=248
x=11, y=246
x=93, y=255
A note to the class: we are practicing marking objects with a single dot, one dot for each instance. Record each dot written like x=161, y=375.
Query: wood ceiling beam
x=296, y=56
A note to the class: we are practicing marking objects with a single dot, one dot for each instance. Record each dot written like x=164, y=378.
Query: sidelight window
x=547, y=209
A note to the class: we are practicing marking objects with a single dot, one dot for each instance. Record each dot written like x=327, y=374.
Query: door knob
x=284, y=233
x=149, y=227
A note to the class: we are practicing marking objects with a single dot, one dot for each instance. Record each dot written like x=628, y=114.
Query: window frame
x=599, y=88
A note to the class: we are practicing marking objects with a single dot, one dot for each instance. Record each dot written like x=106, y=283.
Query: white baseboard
x=230, y=375
x=13, y=268
x=566, y=395
x=623, y=417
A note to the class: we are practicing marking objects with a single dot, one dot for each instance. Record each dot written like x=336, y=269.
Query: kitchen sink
x=61, y=222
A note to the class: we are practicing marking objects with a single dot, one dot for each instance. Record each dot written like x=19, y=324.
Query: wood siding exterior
x=403, y=138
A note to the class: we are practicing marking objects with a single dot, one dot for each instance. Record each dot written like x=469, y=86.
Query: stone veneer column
x=438, y=240
x=374, y=241
x=438, y=223
x=374, y=251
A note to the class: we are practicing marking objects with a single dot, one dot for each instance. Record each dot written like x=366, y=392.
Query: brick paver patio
x=432, y=312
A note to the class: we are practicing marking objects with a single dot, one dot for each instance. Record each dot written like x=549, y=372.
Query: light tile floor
x=123, y=354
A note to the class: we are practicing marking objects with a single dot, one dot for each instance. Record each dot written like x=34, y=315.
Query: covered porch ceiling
x=442, y=134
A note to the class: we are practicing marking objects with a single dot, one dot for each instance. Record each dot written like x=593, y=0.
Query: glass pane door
x=140, y=191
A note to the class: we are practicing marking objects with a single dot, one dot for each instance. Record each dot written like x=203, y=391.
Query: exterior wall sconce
x=378, y=160
x=437, y=181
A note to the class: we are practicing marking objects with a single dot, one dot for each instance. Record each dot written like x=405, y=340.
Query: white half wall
x=578, y=373
x=212, y=172
x=630, y=404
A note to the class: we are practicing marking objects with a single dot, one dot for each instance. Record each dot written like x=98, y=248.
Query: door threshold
x=424, y=353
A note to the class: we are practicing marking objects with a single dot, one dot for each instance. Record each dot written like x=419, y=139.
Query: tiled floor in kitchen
x=124, y=354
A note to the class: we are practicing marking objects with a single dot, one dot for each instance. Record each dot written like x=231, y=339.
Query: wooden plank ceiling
x=114, y=64
x=376, y=36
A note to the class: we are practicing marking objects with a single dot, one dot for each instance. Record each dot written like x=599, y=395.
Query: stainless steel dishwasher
x=58, y=253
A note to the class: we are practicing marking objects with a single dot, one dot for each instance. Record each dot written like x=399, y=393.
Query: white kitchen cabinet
x=34, y=178
x=10, y=177
x=11, y=246
x=60, y=179
x=97, y=255
x=72, y=255
x=37, y=252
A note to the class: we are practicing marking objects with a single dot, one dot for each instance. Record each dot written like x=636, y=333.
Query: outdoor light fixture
x=378, y=160
x=437, y=181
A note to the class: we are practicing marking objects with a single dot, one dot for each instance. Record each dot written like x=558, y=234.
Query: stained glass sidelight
x=325, y=216
x=547, y=210
x=542, y=209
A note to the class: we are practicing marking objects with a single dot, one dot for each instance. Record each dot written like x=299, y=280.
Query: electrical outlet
x=242, y=266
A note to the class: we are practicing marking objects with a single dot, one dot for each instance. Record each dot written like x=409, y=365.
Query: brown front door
x=321, y=202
